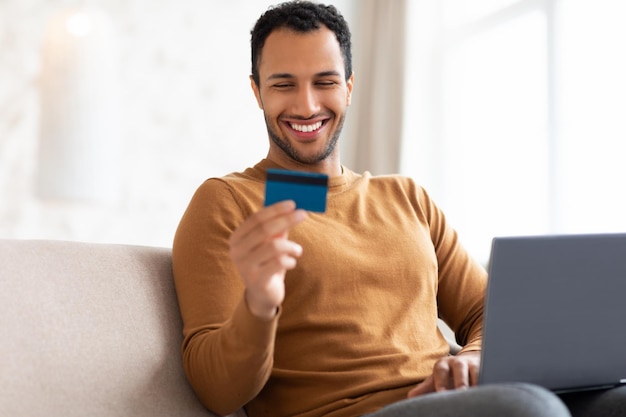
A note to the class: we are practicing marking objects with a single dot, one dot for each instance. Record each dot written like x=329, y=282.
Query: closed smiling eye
x=283, y=86
x=326, y=83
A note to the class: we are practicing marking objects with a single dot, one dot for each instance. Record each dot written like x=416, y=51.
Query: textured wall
x=185, y=110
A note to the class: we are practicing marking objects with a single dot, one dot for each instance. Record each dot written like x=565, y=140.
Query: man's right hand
x=263, y=254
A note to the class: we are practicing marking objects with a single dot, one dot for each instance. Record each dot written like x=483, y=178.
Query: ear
x=349, y=85
x=257, y=93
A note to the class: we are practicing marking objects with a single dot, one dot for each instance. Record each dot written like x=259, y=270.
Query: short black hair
x=300, y=16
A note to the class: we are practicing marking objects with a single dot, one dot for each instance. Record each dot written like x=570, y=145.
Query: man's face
x=303, y=94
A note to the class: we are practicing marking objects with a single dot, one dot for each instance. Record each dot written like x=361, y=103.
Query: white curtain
x=374, y=125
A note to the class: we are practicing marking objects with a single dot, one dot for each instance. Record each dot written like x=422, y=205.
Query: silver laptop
x=555, y=312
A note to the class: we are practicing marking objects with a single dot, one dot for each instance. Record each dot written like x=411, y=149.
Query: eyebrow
x=283, y=75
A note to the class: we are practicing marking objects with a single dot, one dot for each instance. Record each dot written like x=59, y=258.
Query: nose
x=306, y=103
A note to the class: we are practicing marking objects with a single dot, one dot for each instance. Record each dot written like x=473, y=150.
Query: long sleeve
x=462, y=280
x=227, y=352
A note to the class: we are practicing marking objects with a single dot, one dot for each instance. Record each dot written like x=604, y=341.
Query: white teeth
x=306, y=128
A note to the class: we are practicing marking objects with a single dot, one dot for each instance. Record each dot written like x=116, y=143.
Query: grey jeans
x=510, y=400
x=602, y=403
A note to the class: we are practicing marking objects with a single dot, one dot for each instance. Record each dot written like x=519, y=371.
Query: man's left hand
x=451, y=372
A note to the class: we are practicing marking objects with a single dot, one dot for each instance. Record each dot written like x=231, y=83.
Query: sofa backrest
x=90, y=330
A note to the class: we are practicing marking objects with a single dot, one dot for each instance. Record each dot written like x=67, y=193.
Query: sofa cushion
x=90, y=329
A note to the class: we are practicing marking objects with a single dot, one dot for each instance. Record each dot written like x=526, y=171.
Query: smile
x=306, y=128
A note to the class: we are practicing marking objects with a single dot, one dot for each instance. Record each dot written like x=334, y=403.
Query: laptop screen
x=555, y=310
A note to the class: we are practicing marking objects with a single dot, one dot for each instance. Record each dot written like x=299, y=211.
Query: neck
x=330, y=166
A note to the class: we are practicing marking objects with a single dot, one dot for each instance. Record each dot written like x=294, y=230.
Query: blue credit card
x=307, y=189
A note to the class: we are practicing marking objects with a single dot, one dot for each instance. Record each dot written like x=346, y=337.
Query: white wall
x=185, y=110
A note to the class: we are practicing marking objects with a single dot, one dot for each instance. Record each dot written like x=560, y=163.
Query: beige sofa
x=90, y=330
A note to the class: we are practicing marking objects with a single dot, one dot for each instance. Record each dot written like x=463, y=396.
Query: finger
x=278, y=255
x=265, y=287
x=278, y=226
x=275, y=266
x=473, y=374
x=459, y=373
x=257, y=230
x=472, y=362
x=242, y=242
x=275, y=248
x=263, y=215
x=274, y=256
x=441, y=376
x=424, y=387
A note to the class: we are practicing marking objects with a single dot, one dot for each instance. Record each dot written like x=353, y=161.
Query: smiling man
x=304, y=101
x=288, y=313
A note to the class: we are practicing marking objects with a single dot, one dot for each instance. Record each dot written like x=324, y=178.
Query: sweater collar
x=336, y=183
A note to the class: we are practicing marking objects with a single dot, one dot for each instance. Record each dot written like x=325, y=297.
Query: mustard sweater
x=358, y=327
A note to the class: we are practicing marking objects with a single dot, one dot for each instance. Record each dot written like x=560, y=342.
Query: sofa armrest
x=90, y=329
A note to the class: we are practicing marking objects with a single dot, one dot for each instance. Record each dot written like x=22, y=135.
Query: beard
x=293, y=153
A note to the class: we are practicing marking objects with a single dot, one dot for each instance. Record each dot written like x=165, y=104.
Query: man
x=291, y=313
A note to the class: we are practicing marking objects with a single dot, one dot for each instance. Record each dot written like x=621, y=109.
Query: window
x=516, y=115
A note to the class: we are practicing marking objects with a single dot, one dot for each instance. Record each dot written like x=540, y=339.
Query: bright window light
x=78, y=24
x=517, y=115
